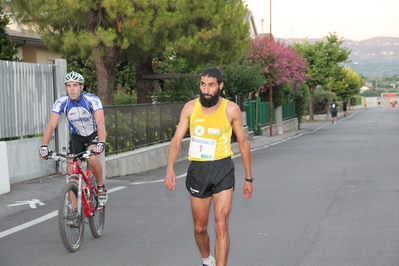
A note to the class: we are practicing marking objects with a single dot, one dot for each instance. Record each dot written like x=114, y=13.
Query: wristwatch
x=250, y=179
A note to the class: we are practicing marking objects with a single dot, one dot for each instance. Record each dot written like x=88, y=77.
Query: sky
x=351, y=19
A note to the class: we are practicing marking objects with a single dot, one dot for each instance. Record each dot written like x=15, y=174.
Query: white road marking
x=32, y=203
x=155, y=181
x=43, y=218
x=115, y=189
x=235, y=156
x=52, y=214
x=28, y=224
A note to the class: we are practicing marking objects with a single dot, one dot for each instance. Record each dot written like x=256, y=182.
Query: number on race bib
x=202, y=148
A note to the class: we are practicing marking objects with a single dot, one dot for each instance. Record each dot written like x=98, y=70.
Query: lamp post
x=270, y=81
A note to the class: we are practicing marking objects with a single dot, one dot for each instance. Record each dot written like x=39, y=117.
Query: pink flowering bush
x=283, y=68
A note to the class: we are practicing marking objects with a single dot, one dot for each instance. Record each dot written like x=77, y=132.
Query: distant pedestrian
x=334, y=111
x=344, y=107
x=365, y=102
x=379, y=102
x=393, y=104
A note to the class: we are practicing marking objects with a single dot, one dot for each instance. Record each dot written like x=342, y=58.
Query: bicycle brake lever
x=53, y=155
x=87, y=154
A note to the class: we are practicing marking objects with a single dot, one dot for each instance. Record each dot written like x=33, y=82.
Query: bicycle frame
x=84, y=190
x=76, y=196
x=76, y=177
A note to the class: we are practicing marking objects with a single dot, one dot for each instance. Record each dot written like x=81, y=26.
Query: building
x=252, y=26
x=30, y=47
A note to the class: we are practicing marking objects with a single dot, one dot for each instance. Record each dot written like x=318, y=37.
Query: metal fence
x=258, y=115
x=288, y=111
x=133, y=126
x=26, y=92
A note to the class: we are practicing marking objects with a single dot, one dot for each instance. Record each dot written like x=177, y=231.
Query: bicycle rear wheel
x=96, y=222
x=70, y=224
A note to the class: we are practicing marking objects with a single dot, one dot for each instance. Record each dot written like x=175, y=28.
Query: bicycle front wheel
x=96, y=222
x=70, y=223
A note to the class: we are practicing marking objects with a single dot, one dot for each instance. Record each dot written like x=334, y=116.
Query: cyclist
x=85, y=114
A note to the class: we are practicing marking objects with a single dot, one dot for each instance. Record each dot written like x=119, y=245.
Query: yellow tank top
x=213, y=127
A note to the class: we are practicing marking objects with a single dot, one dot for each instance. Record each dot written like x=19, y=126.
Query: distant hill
x=373, y=57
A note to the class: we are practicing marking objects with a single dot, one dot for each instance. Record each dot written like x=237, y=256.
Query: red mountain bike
x=78, y=201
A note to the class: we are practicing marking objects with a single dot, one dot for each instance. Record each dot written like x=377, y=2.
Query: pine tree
x=207, y=31
x=7, y=47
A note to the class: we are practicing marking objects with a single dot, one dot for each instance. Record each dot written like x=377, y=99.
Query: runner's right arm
x=170, y=178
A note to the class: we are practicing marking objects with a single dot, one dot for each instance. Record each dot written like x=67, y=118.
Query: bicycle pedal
x=73, y=220
x=73, y=223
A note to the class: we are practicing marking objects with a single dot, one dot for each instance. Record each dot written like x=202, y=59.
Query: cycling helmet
x=74, y=77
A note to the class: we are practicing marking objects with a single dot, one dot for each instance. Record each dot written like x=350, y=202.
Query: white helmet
x=74, y=77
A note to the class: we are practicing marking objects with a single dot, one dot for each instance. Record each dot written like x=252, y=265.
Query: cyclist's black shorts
x=210, y=177
x=80, y=143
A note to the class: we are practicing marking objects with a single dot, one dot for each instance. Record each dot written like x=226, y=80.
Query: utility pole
x=270, y=81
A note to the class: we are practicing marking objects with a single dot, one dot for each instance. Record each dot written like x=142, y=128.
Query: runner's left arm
x=243, y=145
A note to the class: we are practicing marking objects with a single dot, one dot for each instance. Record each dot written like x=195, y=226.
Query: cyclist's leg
x=72, y=195
x=96, y=168
x=97, y=171
x=75, y=146
x=94, y=162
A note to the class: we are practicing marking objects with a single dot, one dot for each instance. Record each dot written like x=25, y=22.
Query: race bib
x=202, y=148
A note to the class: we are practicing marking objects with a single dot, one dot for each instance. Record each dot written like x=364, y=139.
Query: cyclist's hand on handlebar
x=43, y=151
x=99, y=148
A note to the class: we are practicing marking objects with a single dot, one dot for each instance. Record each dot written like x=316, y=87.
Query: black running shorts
x=210, y=177
x=80, y=143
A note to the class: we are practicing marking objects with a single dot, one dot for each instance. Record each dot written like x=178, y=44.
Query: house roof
x=22, y=38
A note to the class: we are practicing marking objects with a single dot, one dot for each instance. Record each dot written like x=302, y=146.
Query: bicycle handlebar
x=56, y=156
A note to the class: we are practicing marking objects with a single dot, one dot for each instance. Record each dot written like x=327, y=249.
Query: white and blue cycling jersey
x=79, y=114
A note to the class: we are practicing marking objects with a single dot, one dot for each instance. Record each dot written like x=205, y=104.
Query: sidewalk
x=47, y=189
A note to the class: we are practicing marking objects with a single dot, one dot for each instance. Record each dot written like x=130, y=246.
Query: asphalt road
x=324, y=195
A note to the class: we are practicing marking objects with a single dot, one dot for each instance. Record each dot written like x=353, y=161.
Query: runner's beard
x=209, y=102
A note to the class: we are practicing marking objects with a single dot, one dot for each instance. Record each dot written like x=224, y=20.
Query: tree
x=124, y=79
x=348, y=84
x=283, y=68
x=7, y=47
x=322, y=59
x=240, y=78
x=209, y=31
